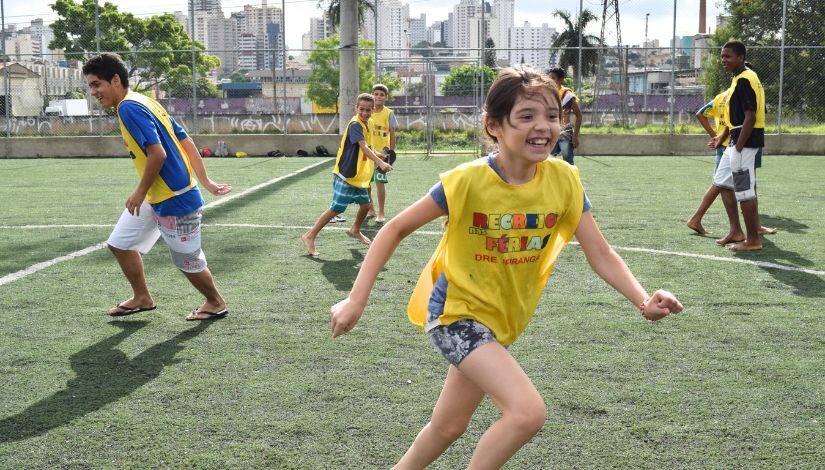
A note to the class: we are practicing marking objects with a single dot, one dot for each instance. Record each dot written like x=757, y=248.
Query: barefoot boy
x=383, y=137
x=354, y=167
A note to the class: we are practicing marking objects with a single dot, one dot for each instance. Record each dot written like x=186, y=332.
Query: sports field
x=736, y=381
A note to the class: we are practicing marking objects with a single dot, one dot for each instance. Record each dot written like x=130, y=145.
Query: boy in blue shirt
x=166, y=202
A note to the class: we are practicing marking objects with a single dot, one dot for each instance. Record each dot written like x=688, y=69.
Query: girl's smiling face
x=531, y=129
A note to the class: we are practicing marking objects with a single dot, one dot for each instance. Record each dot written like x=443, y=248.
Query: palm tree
x=568, y=43
x=333, y=9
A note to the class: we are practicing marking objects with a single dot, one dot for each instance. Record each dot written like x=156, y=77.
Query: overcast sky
x=632, y=13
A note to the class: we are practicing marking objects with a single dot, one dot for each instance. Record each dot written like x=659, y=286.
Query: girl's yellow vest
x=356, y=173
x=500, y=245
x=159, y=191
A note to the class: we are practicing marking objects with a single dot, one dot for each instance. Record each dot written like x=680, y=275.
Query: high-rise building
x=434, y=32
x=393, y=29
x=531, y=45
x=504, y=19
x=250, y=25
x=418, y=29
x=466, y=16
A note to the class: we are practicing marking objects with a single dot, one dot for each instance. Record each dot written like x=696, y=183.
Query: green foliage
x=323, y=86
x=464, y=80
x=333, y=9
x=758, y=23
x=146, y=45
x=568, y=42
x=423, y=49
x=490, y=53
x=75, y=95
x=236, y=76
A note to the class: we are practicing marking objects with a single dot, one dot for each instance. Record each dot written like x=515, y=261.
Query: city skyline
x=536, y=12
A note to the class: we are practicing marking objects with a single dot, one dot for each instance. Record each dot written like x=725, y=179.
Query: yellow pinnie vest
x=351, y=164
x=381, y=129
x=717, y=112
x=756, y=85
x=159, y=191
x=500, y=245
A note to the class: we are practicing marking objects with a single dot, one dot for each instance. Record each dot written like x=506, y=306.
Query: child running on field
x=510, y=215
x=354, y=166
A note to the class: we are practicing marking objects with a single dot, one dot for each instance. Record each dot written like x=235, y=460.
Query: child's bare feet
x=696, y=226
x=767, y=230
x=309, y=243
x=745, y=246
x=734, y=237
x=359, y=236
x=379, y=219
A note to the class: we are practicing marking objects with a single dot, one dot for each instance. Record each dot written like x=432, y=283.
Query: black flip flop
x=130, y=310
x=210, y=315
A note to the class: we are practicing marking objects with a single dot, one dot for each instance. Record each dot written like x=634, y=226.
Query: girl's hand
x=344, y=315
x=660, y=305
x=218, y=189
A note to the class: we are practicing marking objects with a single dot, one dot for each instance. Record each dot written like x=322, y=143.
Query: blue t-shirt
x=147, y=130
x=439, y=294
x=355, y=133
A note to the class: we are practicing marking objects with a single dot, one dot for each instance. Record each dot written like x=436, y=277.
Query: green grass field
x=736, y=381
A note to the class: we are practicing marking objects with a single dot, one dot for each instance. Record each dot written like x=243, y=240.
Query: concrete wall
x=260, y=144
x=253, y=144
x=612, y=144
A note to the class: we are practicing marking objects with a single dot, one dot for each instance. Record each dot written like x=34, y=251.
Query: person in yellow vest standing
x=351, y=178
x=735, y=176
x=510, y=215
x=166, y=202
x=713, y=109
x=383, y=138
x=569, y=138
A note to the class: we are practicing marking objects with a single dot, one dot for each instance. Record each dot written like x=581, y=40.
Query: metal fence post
x=673, y=70
x=194, y=73
x=6, y=87
x=781, y=67
x=283, y=65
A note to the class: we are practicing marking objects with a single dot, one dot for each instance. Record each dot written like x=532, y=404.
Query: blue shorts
x=344, y=194
x=457, y=340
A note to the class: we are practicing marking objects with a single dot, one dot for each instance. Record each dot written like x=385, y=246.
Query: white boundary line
x=761, y=264
x=40, y=266
x=9, y=278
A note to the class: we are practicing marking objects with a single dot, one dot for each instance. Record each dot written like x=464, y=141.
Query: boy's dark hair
x=382, y=87
x=736, y=46
x=365, y=97
x=106, y=66
x=559, y=72
x=510, y=85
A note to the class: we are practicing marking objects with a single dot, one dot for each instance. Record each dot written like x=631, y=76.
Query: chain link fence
x=630, y=69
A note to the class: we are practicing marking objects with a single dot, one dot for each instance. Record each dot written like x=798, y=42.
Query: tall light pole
x=644, y=101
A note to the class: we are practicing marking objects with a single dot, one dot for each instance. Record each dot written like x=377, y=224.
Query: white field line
x=37, y=267
x=9, y=278
x=761, y=264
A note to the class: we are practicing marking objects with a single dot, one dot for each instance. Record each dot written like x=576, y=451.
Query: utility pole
x=644, y=100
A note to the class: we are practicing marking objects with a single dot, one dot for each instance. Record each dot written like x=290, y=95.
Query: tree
x=758, y=23
x=154, y=48
x=464, y=80
x=490, y=53
x=323, y=83
x=333, y=9
x=423, y=48
x=567, y=43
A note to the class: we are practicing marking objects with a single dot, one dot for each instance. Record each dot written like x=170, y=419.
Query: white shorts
x=181, y=233
x=736, y=172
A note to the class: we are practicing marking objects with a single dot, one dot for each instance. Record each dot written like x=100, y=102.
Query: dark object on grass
x=321, y=151
x=302, y=153
x=275, y=153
